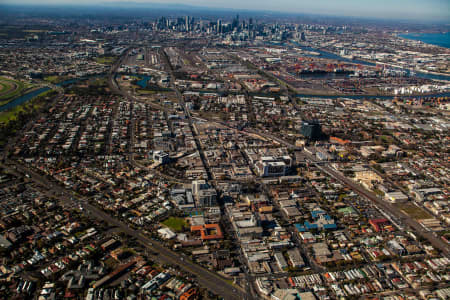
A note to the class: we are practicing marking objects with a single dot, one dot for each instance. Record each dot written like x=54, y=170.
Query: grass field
x=101, y=81
x=4, y=86
x=414, y=211
x=55, y=79
x=176, y=224
x=35, y=31
x=10, y=89
x=106, y=60
x=144, y=92
x=387, y=139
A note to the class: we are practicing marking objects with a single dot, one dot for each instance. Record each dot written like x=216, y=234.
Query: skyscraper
x=219, y=26
x=187, y=25
x=303, y=37
x=235, y=23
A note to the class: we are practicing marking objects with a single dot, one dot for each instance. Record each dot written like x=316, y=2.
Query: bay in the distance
x=439, y=39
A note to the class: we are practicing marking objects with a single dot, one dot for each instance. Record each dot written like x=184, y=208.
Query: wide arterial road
x=210, y=280
x=388, y=207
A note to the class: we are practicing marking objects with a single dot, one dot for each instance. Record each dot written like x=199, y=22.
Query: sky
x=390, y=9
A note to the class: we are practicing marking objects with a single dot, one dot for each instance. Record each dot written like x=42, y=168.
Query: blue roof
x=316, y=213
x=300, y=228
x=310, y=225
x=329, y=226
x=195, y=213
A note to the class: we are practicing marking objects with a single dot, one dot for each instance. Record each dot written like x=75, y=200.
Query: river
x=24, y=98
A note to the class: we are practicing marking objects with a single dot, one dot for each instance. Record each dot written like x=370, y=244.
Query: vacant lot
x=414, y=211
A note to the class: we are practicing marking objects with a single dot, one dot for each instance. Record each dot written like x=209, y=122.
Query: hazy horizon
x=437, y=10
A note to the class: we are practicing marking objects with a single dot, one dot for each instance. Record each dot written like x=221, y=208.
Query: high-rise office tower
x=303, y=37
x=219, y=26
x=187, y=25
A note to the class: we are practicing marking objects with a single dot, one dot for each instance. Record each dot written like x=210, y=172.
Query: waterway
x=143, y=80
x=329, y=55
x=24, y=98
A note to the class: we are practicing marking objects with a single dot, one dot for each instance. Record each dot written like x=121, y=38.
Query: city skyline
x=434, y=10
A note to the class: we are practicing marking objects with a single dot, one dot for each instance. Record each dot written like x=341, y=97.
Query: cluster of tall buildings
x=189, y=23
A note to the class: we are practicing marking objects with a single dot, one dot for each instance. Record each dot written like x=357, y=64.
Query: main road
x=186, y=112
x=388, y=207
x=210, y=280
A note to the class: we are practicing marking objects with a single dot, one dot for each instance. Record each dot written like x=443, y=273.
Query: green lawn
x=387, y=139
x=144, y=92
x=55, y=79
x=106, y=60
x=11, y=115
x=3, y=86
x=8, y=91
x=102, y=81
x=176, y=224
